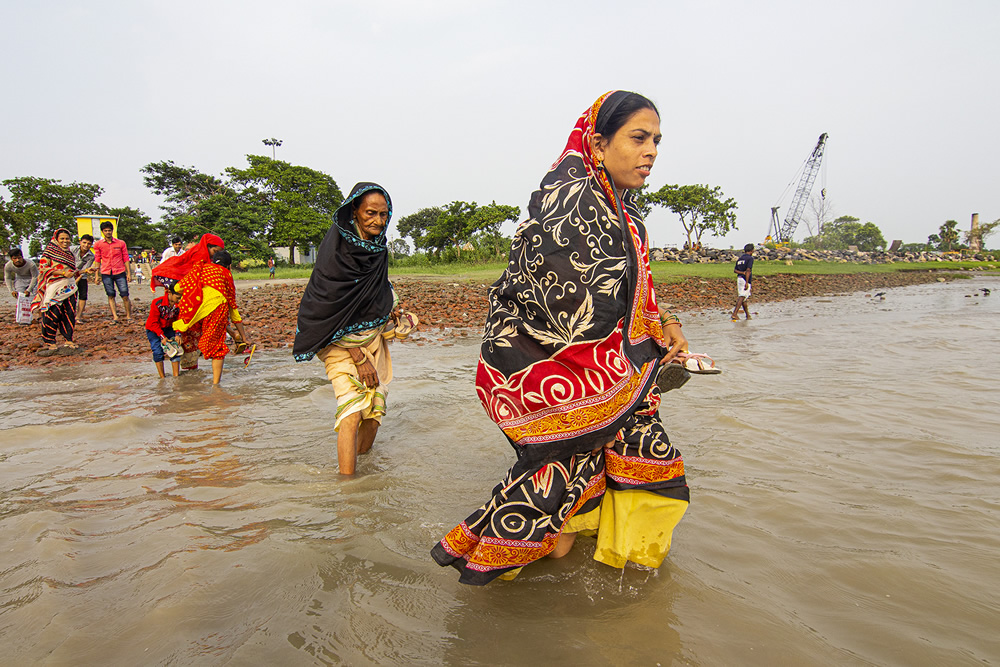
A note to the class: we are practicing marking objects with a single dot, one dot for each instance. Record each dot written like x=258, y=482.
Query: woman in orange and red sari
x=172, y=270
x=208, y=303
x=572, y=344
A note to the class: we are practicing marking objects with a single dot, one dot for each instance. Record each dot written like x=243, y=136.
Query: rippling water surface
x=845, y=508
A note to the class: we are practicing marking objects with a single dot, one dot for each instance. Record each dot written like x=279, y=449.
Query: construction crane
x=782, y=232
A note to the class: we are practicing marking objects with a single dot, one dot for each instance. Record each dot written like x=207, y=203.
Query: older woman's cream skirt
x=352, y=395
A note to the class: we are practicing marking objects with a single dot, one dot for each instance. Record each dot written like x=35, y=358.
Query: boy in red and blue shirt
x=163, y=312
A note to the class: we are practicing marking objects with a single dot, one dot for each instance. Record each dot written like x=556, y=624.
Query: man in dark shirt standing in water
x=744, y=272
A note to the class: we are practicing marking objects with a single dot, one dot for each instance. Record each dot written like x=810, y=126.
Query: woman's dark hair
x=223, y=259
x=617, y=109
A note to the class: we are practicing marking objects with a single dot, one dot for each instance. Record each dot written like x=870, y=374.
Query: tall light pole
x=272, y=142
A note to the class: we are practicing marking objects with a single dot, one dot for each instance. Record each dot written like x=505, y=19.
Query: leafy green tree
x=182, y=188
x=35, y=247
x=10, y=227
x=869, y=238
x=977, y=236
x=933, y=242
x=643, y=202
x=948, y=234
x=417, y=224
x=237, y=221
x=451, y=227
x=296, y=203
x=39, y=206
x=399, y=247
x=848, y=231
x=485, y=222
x=197, y=203
x=700, y=208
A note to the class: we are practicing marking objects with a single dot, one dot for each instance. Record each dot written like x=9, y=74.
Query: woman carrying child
x=208, y=303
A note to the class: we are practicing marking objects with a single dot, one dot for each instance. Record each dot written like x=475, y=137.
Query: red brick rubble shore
x=445, y=309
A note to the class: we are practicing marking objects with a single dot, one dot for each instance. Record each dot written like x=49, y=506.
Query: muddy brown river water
x=845, y=509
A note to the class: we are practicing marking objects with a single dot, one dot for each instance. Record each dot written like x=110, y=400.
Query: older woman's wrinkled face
x=372, y=215
x=630, y=153
x=63, y=239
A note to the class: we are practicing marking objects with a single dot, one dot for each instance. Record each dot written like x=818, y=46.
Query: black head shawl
x=349, y=289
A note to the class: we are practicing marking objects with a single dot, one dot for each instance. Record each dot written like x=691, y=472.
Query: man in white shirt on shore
x=175, y=249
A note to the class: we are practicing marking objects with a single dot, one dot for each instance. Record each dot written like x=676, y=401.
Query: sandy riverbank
x=445, y=309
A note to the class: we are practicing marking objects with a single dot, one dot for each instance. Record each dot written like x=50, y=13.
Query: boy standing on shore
x=111, y=256
x=744, y=273
x=84, y=261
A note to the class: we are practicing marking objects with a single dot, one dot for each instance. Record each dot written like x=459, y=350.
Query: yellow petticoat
x=352, y=395
x=632, y=526
x=211, y=299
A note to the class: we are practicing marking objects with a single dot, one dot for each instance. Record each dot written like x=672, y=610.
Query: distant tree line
x=456, y=228
x=947, y=238
x=267, y=203
x=846, y=231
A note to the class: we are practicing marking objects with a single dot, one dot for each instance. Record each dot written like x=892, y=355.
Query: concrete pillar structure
x=975, y=243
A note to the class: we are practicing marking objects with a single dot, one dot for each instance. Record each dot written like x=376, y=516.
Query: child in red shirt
x=162, y=314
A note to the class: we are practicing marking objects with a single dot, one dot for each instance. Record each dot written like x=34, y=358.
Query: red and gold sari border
x=635, y=470
x=493, y=553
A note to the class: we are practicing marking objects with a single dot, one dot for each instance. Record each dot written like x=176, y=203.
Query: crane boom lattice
x=798, y=204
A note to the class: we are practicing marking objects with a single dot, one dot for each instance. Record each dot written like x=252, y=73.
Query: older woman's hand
x=676, y=342
x=367, y=374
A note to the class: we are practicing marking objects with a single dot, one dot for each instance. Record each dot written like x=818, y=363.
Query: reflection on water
x=843, y=473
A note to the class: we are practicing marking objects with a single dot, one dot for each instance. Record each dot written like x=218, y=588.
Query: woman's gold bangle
x=669, y=319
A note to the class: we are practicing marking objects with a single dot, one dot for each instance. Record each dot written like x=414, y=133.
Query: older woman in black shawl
x=347, y=314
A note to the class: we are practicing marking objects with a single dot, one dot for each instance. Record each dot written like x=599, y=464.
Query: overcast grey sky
x=444, y=100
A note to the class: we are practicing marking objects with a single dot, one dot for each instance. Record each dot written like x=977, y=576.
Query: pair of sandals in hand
x=679, y=370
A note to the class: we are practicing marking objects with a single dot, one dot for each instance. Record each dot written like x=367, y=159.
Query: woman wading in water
x=572, y=344
x=348, y=313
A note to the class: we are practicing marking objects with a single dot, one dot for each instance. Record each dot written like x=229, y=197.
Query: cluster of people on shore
x=198, y=302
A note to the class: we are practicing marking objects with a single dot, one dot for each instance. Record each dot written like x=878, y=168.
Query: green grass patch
x=662, y=271
x=283, y=272
x=485, y=272
x=675, y=271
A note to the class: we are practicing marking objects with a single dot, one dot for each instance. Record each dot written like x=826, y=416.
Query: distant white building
x=302, y=255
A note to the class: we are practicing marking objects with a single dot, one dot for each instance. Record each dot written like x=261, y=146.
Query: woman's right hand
x=676, y=342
